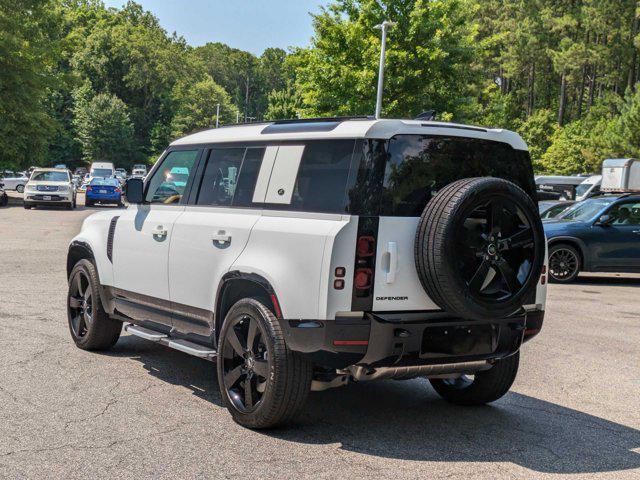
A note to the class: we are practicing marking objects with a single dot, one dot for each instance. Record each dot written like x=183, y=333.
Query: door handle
x=221, y=239
x=392, y=250
x=159, y=231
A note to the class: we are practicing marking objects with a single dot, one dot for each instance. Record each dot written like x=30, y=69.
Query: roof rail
x=322, y=119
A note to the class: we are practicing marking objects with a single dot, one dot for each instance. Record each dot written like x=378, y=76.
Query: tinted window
x=322, y=177
x=220, y=177
x=413, y=168
x=627, y=213
x=168, y=183
x=248, y=175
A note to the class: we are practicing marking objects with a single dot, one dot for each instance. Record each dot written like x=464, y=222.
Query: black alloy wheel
x=80, y=304
x=496, y=248
x=564, y=263
x=245, y=363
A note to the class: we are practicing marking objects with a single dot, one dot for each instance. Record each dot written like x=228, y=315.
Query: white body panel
x=93, y=233
x=288, y=250
x=200, y=255
x=141, y=253
x=398, y=288
x=589, y=185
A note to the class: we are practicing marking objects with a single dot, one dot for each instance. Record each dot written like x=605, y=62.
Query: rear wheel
x=90, y=326
x=262, y=383
x=564, y=263
x=88, y=203
x=483, y=387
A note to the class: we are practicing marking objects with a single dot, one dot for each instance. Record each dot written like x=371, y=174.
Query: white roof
x=381, y=129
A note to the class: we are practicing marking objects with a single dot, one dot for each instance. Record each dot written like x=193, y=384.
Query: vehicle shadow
x=608, y=281
x=408, y=421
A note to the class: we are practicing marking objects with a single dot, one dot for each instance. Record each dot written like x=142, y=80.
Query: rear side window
x=320, y=180
x=399, y=177
x=230, y=177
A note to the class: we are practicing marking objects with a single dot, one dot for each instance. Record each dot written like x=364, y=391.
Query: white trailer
x=621, y=175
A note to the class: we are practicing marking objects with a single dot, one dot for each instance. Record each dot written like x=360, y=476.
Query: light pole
x=217, y=115
x=384, y=26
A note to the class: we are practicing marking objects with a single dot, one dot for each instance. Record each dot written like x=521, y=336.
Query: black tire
x=90, y=326
x=564, y=263
x=88, y=203
x=287, y=375
x=465, y=263
x=27, y=207
x=20, y=188
x=4, y=200
x=69, y=206
x=486, y=387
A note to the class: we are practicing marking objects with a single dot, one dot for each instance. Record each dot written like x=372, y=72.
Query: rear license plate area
x=459, y=340
x=102, y=191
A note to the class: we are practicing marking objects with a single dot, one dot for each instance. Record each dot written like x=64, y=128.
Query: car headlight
x=31, y=188
x=63, y=188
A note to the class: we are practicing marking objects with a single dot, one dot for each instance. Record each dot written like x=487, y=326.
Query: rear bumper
x=116, y=197
x=408, y=338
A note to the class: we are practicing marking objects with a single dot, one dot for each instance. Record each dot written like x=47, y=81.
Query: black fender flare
x=584, y=251
x=85, y=248
x=231, y=276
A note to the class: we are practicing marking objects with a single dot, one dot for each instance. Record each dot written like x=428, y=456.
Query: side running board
x=175, y=343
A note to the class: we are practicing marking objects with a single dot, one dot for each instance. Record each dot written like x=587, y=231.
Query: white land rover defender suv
x=305, y=254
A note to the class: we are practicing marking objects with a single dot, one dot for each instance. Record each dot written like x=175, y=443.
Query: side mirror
x=605, y=220
x=134, y=190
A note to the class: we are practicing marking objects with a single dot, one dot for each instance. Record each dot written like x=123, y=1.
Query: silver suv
x=302, y=255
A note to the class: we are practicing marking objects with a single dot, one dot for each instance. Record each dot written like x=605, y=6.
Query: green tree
x=283, y=104
x=105, y=129
x=429, y=62
x=196, y=106
x=29, y=48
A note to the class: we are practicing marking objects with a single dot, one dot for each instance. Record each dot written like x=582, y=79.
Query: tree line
x=81, y=82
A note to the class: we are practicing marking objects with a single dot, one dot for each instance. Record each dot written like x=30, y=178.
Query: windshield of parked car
x=50, y=177
x=101, y=172
x=587, y=209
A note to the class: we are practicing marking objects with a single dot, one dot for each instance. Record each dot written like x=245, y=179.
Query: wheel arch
x=576, y=243
x=78, y=250
x=236, y=285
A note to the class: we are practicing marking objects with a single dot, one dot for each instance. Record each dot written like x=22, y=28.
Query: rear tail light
x=366, y=246
x=362, y=278
x=88, y=188
x=118, y=190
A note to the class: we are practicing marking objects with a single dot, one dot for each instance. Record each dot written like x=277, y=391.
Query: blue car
x=600, y=234
x=103, y=190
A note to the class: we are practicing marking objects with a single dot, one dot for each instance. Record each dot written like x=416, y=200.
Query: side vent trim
x=112, y=232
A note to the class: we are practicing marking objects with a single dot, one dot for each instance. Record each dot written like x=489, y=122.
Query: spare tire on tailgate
x=480, y=248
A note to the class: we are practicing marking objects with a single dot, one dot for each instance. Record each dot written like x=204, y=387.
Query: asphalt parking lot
x=144, y=411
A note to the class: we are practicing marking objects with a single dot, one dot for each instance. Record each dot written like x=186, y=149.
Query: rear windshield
x=399, y=176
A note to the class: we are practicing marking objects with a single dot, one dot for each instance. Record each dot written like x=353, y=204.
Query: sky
x=251, y=25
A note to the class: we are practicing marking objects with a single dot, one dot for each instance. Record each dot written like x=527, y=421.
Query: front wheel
x=483, y=387
x=262, y=383
x=20, y=189
x=90, y=326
